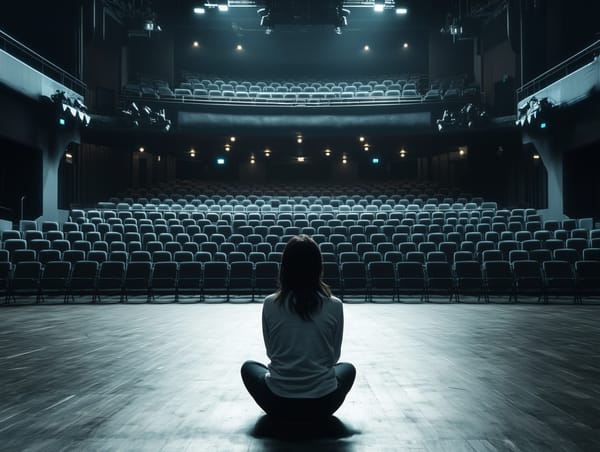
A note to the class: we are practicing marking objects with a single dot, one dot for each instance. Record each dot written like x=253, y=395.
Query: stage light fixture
x=61, y=121
x=402, y=153
x=366, y=147
x=199, y=10
x=299, y=139
x=158, y=158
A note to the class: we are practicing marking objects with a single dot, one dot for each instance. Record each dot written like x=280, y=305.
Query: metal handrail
x=559, y=71
x=38, y=62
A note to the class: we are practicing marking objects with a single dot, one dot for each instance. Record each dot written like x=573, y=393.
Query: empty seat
x=528, y=279
x=189, y=279
x=54, y=280
x=382, y=278
x=110, y=279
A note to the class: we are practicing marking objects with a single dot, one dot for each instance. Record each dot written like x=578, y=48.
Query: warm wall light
x=232, y=139
x=405, y=45
x=361, y=139
x=299, y=139
x=142, y=149
x=196, y=44
x=536, y=156
x=344, y=160
x=158, y=158
x=252, y=159
x=227, y=147
x=366, y=147
x=267, y=153
x=327, y=152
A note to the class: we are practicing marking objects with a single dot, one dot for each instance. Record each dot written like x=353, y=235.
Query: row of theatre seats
x=377, y=278
x=300, y=92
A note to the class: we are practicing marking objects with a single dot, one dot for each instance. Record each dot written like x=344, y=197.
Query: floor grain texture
x=477, y=378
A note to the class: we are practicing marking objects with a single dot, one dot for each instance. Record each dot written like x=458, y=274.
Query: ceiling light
x=366, y=147
x=536, y=156
x=267, y=153
x=327, y=152
x=196, y=44
x=405, y=45
x=223, y=7
x=300, y=159
x=252, y=160
x=227, y=147
x=239, y=48
x=299, y=139
x=220, y=161
x=199, y=10
x=344, y=160
x=361, y=139
x=402, y=11
x=232, y=139
x=366, y=48
x=142, y=149
x=375, y=160
x=379, y=6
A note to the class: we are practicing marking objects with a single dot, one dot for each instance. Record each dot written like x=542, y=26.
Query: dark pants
x=253, y=376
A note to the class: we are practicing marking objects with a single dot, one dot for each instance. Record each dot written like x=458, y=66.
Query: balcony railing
x=559, y=71
x=23, y=53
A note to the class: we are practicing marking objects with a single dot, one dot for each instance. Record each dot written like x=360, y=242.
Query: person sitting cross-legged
x=302, y=328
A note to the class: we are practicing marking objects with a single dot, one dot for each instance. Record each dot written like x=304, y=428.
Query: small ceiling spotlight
x=301, y=159
x=267, y=152
x=227, y=147
x=252, y=159
x=192, y=153
x=299, y=139
x=223, y=6
x=232, y=139
x=402, y=153
x=361, y=139
x=401, y=11
x=379, y=6
x=199, y=10
x=536, y=156
x=142, y=149
x=462, y=151
x=327, y=152
x=239, y=48
x=344, y=160
x=405, y=45
x=158, y=158
x=366, y=147
x=196, y=44
x=366, y=48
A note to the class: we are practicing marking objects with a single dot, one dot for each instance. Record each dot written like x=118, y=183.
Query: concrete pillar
x=551, y=150
x=51, y=158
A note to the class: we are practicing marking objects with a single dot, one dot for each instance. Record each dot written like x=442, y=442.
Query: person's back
x=302, y=352
x=303, y=326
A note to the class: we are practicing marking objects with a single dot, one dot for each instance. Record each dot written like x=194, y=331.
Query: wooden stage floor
x=472, y=378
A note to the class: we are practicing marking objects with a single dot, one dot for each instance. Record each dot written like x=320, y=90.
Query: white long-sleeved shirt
x=302, y=352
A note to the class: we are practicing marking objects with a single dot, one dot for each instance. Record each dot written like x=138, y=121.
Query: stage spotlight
x=402, y=153
x=158, y=158
x=68, y=157
x=379, y=6
x=543, y=125
x=199, y=10
x=61, y=121
x=366, y=147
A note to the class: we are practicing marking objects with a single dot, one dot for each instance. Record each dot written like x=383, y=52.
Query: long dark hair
x=300, y=276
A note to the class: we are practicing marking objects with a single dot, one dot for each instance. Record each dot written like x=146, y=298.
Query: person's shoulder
x=270, y=299
x=335, y=302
